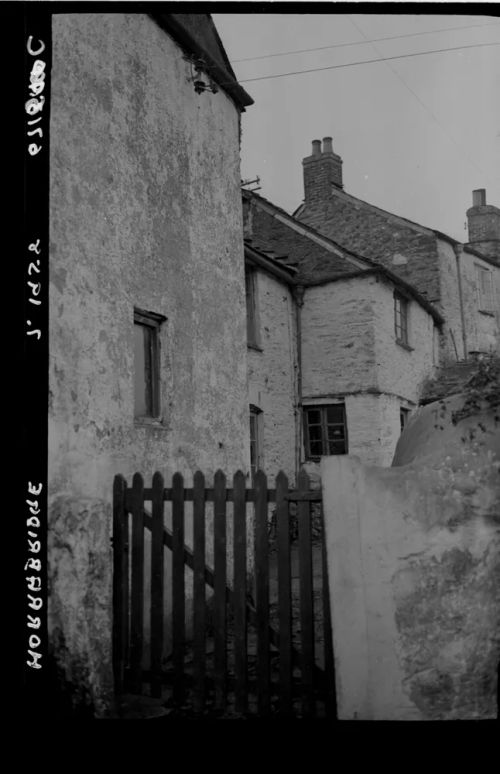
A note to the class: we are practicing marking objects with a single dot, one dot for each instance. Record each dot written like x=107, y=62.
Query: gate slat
x=220, y=651
x=306, y=598
x=284, y=593
x=240, y=592
x=120, y=581
x=331, y=698
x=199, y=599
x=178, y=591
x=137, y=590
x=262, y=593
x=157, y=570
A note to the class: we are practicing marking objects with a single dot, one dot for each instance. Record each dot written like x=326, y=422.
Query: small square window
x=146, y=364
x=325, y=430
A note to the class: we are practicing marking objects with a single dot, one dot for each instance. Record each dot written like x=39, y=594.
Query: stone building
x=330, y=371
x=380, y=305
x=147, y=303
x=461, y=280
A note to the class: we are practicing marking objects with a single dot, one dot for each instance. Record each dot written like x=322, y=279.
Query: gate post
x=120, y=580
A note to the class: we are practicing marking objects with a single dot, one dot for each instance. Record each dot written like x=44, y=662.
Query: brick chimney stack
x=484, y=225
x=322, y=170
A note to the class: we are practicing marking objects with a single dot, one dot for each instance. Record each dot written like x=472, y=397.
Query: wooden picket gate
x=274, y=637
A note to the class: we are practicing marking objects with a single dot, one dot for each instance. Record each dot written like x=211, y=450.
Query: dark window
x=252, y=331
x=401, y=319
x=325, y=430
x=404, y=415
x=255, y=439
x=146, y=364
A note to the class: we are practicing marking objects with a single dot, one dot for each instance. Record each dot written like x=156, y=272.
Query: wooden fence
x=287, y=638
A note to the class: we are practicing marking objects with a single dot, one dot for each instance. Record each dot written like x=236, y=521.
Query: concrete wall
x=145, y=211
x=414, y=572
x=272, y=374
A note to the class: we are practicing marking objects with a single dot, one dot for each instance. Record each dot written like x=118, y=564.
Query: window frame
x=152, y=321
x=404, y=417
x=485, y=297
x=404, y=317
x=324, y=424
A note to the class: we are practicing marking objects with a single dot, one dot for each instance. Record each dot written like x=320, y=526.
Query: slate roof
x=379, y=235
x=311, y=259
x=314, y=263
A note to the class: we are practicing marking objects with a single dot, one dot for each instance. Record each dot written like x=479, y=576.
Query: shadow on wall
x=414, y=562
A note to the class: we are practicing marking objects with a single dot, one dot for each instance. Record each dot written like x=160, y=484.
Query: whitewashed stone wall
x=349, y=351
x=483, y=330
x=145, y=211
x=400, y=372
x=450, y=304
x=272, y=374
x=338, y=338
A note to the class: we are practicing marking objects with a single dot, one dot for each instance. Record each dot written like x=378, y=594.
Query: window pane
x=313, y=417
x=335, y=414
x=316, y=448
x=336, y=447
x=315, y=433
x=140, y=381
x=336, y=433
x=143, y=373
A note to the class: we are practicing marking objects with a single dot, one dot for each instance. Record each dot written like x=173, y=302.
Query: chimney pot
x=479, y=197
x=316, y=147
x=327, y=145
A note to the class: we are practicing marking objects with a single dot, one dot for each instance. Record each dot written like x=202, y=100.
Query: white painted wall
x=272, y=374
x=349, y=351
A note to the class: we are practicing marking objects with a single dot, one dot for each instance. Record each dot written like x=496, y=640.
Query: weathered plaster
x=338, y=337
x=272, y=375
x=483, y=330
x=144, y=211
x=349, y=351
x=414, y=563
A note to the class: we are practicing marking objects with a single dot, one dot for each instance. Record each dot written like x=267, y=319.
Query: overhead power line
x=365, y=61
x=420, y=101
x=360, y=42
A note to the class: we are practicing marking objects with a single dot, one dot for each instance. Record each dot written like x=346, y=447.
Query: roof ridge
x=307, y=227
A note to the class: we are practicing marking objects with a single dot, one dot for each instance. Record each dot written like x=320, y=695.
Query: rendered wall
x=338, y=337
x=145, y=211
x=272, y=374
x=414, y=572
x=349, y=351
x=483, y=328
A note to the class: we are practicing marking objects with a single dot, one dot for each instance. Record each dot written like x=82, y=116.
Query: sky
x=416, y=135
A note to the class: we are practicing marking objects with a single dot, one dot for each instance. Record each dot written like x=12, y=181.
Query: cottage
x=147, y=304
x=461, y=280
x=348, y=363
